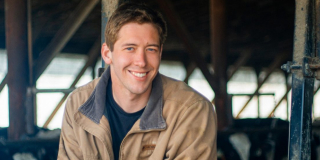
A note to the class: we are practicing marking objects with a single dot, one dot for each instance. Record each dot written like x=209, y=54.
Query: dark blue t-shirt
x=120, y=121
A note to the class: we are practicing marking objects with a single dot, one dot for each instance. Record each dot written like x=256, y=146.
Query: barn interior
x=229, y=51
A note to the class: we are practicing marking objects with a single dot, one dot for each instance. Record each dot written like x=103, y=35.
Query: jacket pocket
x=146, y=151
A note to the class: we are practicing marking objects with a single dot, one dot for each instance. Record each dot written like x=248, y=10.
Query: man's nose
x=140, y=58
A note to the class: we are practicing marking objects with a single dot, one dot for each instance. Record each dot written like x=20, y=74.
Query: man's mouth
x=139, y=74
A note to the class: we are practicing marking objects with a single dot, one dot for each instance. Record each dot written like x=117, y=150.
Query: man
x=133, y=112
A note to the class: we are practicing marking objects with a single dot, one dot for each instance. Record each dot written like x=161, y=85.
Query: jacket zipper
x=108, y=149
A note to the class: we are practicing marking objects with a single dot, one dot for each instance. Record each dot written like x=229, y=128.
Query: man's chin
x=139, y=90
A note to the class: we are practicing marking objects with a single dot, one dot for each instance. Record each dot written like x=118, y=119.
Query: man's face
x=135, y=59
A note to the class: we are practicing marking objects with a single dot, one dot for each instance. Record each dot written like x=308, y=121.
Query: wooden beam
x=189, y=70
x=219, y=60
x=18, y=73
x=3, y=82
x=278, y=104
x=239, y=63
x=63, y=35
x=94, y=54
x=276, y=64
x=182, y=32
x=218, y=38
x=30, y=55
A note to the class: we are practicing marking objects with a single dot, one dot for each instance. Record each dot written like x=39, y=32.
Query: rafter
x=278, y=104
x=3, y=83
x=276, y=64
x=184, y=35
x=94, y=54
x=239, y=63
x=189, y=70
x=63, y=36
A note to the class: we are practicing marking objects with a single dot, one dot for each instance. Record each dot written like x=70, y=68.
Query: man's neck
x=130, y=102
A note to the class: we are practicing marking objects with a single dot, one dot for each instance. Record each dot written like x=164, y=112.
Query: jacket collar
x=151, y=118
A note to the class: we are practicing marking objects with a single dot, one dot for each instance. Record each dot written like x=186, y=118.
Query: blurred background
x=230, y=51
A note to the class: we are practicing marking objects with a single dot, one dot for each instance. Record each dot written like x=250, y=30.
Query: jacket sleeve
x=194, y=136
x=68, y=145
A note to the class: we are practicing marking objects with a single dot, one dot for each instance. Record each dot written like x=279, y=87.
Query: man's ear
x=106, y=54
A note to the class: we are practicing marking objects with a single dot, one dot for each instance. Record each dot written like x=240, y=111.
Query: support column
x=302, y=82
x=258, y=71
x=18, y=72
x=219, y=60
x=31, y=102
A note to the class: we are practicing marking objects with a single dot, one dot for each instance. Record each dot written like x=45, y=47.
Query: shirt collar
x=151, y=118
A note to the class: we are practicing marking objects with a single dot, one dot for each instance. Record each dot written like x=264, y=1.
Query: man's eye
x=129, y=48
x=151, y=49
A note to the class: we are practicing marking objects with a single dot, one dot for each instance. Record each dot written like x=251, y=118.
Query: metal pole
x=18, y=73
x=302, y=83
x=249, y=94
x=258, y=99
x=258, y=103
x=317, y=28
x=66, y=91
x=31, y=109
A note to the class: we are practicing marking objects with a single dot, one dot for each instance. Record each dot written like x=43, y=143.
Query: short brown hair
x=133, y=12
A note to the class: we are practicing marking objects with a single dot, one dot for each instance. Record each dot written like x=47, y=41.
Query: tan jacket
x=178, y=123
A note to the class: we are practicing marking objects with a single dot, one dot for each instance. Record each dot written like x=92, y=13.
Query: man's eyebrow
x=132, y=44
x=154, y=45
x=129, y=44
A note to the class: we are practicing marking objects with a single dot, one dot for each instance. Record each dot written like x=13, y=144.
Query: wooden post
x=18, y=72
x=219, y=60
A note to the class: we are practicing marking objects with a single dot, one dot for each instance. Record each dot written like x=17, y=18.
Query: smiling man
x=132, y=111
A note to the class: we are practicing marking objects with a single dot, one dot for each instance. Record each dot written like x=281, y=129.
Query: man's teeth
x=139, y=74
